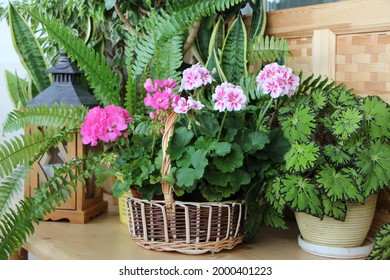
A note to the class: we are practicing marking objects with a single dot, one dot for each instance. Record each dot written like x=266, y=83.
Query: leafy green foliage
x=338, y=185
x=17, y=225
x=58, y=116
x=302, y=195
x=233, y=57
x=302, y=157
x=102, y=79
x=267, y=48
x=28, y=49
x=374, y=162
x=300, y=125
x=381, y=250
x=17, y=89
x=339, y=149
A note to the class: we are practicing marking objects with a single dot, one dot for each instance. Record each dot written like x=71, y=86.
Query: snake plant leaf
x=259, y=16
x=338, y=184
x=346, y=122
x=203, y=36
x=233, y=58
x=376, y=113
x=217, y=37
x=334, y=209
x=302, y=157
x=17, y=89
x=300, y=125
x=28, y=48
x=381, y=250
x=301, y=195
x=374, y=163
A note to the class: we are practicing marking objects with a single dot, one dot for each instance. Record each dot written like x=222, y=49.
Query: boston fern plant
x=339, y=152
x=153, y=49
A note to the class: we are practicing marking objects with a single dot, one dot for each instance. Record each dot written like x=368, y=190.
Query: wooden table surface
x=105, y=238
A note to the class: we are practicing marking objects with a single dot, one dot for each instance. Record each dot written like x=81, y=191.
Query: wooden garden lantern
x=66, y=88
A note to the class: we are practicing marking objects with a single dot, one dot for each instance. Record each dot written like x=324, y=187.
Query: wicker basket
x=185, y=227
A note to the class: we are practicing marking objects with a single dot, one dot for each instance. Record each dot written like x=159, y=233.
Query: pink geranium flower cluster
x=105, y=124
x=185, y=105
x=277, y=80
x=160, y=95
x=195, y=77
x=229, y=97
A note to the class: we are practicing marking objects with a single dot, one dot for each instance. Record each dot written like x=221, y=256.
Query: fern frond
x=168, y=59
x=55, y=117
x=266, y=49
x=25, y=149
x=10, y=186
x=313, y=83
x=17, y=225
x=102, y=79
x=166, y=26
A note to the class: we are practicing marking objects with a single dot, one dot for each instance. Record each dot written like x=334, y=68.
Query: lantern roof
x=66, y=87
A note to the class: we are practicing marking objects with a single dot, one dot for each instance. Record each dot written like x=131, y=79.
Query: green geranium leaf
x=223, y=148
x=336, y=210
x=141, y=169
x=230, y=134
x=376, y=113
x=374, y=163
x=301, y=195
x=180, y=139
x=253, y=142
x=209, y=125
x=278, y=146
x=186, y=177
x=216, y=178
x=204, y=143
x=300, y=125
x=302, y=157
x=346, y=123
x=338, y=185
x=239, y=178
x=231, y=161
x=198, y=160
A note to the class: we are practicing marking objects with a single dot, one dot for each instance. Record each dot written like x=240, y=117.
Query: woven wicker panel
x=193, y=228
x=301, y=59
x=363, y=63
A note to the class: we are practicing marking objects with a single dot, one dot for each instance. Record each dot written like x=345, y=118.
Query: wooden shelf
x=105, y=238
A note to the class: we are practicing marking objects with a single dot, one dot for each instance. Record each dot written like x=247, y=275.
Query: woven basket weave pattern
x=186, y=227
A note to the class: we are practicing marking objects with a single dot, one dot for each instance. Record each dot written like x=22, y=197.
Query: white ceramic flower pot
x=332, y=233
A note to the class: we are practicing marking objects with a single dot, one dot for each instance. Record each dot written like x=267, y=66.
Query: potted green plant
x=338, y=161
x=152, y=50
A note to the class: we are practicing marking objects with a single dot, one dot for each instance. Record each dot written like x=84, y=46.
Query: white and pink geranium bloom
x=105, y=124
x=195, y=77
x=185, y=105
x=277, y=80
x=229, y=97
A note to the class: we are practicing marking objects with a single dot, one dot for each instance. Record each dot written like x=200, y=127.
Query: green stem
x=153, y=144
x=260, y=120
x=222, y=123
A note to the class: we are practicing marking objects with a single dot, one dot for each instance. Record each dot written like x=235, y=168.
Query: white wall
x=8, y=60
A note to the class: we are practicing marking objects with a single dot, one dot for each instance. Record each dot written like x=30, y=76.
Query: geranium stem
x=222, y=123
x=153, y=144
x=260, y=120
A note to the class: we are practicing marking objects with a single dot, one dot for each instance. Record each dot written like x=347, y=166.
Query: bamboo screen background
x=349, y=42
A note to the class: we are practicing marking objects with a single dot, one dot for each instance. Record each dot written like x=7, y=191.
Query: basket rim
x=179, y=202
